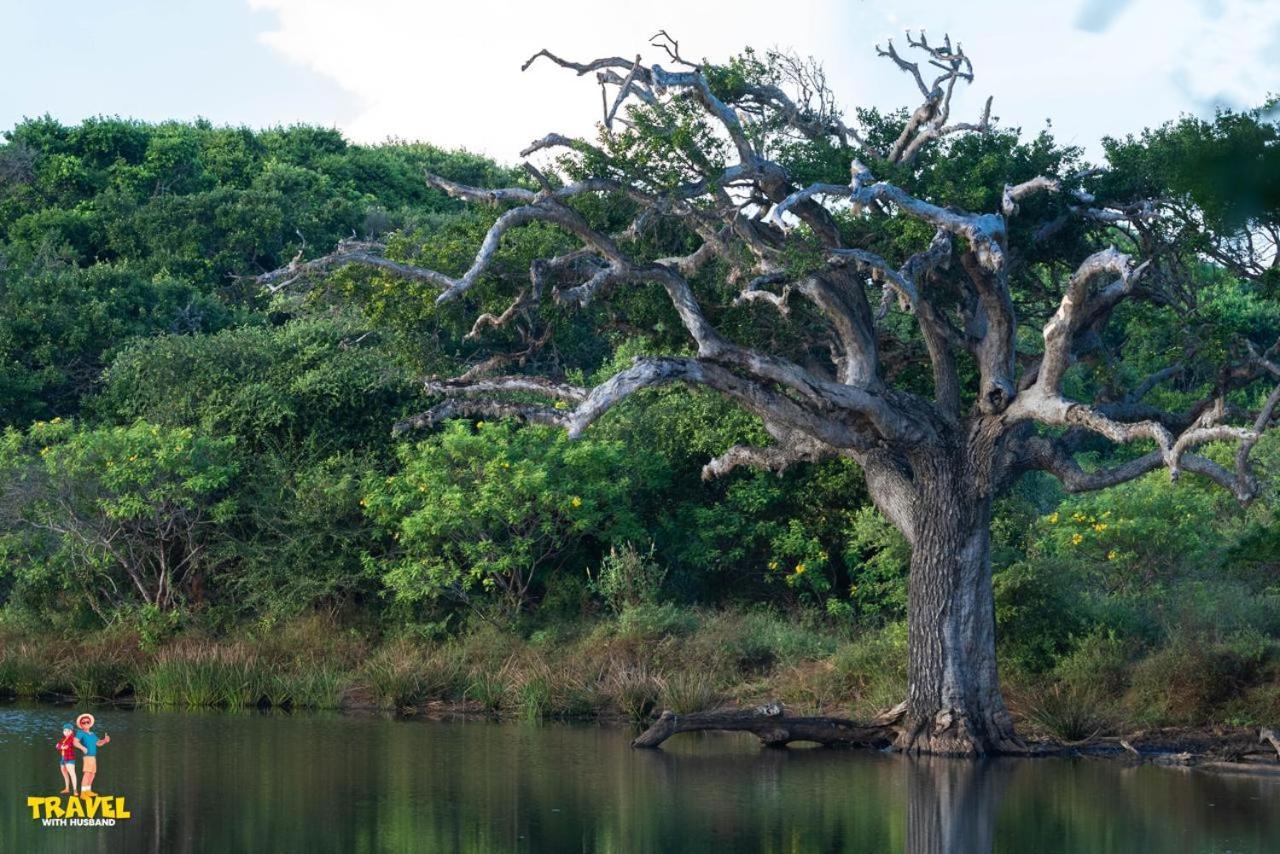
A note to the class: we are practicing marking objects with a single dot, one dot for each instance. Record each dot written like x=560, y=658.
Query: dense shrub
x=487, y=513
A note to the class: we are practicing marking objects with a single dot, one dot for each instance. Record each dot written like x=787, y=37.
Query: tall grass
x=402, y=675
x=650, y=657
x=233, y=677
x=871, y=671
x=534, y=698
x=1069, y=713
x=24, y=671
x=489, y=689
x=94, y=679
x=686, y=692
x=634, y=690
x=314, y=688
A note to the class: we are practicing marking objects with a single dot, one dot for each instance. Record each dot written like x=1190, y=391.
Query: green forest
x=213, y=492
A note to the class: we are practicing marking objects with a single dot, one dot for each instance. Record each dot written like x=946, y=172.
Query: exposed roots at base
x=956, y=732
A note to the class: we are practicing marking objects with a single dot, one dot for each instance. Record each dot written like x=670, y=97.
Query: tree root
x=953, y=732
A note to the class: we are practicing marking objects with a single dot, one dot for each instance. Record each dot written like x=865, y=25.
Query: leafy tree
x=114, y=516
x=299, y=539
x=1217, y=180
x=59, y=327
x=489, y=512
x=326, y=385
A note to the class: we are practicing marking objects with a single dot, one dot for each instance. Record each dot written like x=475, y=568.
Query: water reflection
x=952, y=805
x=249, y=782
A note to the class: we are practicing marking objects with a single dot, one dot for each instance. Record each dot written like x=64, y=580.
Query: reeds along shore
x=628, y=667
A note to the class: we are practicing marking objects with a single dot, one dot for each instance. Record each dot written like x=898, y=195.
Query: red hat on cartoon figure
x=85, y=721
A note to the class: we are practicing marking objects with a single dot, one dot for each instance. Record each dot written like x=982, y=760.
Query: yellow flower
x=479, y=424
x=800, y=569
x=506, y=465
x=1113, y=554
x=57, y=420
x=773, y=564
x=576, y=501
x=1076, y=539
x=1100, y=527
x=133, y=458
x=1079, y=517
x=1053, y=518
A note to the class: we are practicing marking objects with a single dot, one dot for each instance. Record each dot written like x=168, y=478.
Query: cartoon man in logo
x=89, y=742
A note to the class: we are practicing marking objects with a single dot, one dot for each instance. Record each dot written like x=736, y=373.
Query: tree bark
x=954, y=704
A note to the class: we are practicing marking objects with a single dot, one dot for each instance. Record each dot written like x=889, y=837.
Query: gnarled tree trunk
x=954, y=704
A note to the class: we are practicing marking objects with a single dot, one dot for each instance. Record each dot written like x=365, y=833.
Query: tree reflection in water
x=247, y=782
x=953, y=804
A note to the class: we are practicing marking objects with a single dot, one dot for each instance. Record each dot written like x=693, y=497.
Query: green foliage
x=628, y=578
x=1100, y=663
x=487, y=512
x=1228, y=166
x=1039, y=610
x=879, y=558
x=298, y=539
x=654, y=621
x=60, y=325
x=115, y=229
x=112, y=516
x=757, y=640
x=1184, y=682
x=317, y=385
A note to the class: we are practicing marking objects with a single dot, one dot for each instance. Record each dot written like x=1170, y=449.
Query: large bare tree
x=751, y=235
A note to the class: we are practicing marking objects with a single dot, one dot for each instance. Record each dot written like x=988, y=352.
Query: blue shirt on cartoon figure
x=90, y=742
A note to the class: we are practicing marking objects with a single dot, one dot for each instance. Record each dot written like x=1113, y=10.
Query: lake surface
x=249, y=782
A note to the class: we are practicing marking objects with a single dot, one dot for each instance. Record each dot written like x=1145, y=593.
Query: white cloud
x=450, y=73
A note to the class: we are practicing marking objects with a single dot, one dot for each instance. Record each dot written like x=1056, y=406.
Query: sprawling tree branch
x=741, y=222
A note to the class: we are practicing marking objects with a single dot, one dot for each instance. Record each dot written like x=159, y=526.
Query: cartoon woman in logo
x=67, y=759
x=89, y=742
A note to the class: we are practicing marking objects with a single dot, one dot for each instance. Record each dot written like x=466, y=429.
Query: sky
x=449, y=72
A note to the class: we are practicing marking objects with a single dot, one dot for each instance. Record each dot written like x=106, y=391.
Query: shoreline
x=1218, y=750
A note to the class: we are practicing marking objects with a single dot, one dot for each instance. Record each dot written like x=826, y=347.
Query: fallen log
x=775, y=728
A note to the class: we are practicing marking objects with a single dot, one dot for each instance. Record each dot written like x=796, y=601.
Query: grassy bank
x=645, y=659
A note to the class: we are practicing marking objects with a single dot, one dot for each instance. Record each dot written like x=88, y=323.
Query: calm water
x=224, y=782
